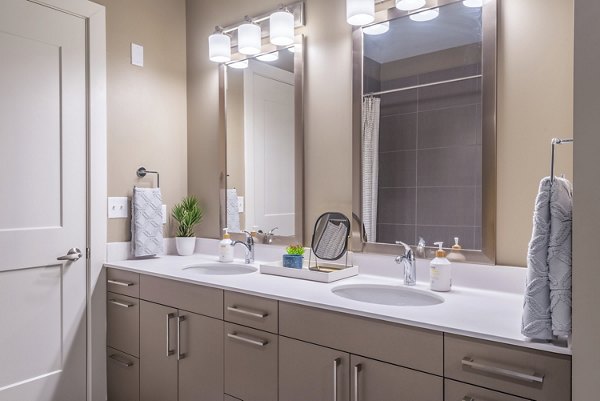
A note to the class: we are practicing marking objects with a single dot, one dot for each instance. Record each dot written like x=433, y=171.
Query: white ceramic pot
x=185, y=245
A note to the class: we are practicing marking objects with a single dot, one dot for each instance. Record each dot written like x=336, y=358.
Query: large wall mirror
x=263, y=189
x=424, y=128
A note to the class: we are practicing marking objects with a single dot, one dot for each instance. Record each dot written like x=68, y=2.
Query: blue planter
x=293, y=261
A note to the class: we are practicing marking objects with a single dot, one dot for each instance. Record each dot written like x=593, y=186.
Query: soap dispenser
x=226, y=248
x=440, y=271
x=455, y=254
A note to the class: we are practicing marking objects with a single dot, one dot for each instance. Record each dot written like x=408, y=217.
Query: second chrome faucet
x=249, y=247
x=409, y=262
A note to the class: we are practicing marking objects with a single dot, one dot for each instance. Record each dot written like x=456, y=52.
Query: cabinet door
x=311, y=372
x=158, y=359
x=377, y=381
x=200, y=357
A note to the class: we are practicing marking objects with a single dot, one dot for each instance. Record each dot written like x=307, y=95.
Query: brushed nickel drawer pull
x=357, y=369
x=467, y=398
x=121, y=283
x=120, y=303
x=121, y=361
x=169, y=316
x=513, y=374
x=180, y=355
x=259, y=342
x=235, y=309
x=336, y=363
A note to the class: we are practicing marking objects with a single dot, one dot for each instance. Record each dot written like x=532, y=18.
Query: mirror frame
x=385, y=12
x=267, y=47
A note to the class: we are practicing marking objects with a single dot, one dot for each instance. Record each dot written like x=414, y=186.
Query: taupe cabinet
x=174, y=341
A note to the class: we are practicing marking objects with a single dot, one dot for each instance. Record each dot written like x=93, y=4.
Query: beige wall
x=147, y=120
x=534, y=104
x=586, y=272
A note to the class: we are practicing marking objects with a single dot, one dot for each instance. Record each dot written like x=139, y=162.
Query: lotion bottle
x=440, y=271
x=226, y=248
x=455, y=254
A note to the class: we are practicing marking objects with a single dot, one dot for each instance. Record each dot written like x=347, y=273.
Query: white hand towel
x=146, y=222
x=233, y=211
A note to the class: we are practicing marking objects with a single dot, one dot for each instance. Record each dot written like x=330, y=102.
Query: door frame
x=96, y=186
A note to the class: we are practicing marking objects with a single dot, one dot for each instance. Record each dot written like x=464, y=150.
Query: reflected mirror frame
x=298, y=134
x=343, y=220
x=386, y=12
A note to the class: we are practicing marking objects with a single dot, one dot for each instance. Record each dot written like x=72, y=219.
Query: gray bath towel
x=547, y=305
x=146, y=222
x=559, y=256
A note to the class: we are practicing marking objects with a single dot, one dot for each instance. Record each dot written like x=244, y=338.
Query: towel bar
x=556, y=141
x=141, y=172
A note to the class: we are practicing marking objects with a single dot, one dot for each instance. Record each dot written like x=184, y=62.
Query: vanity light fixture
x=240, y=65
x=273, y=56
x=219, y=46
x=409, y=5
x=377, y=29
x=281, y=27
x=473, y=3
x=360, y=12
x=249, y=38
x=426, y=15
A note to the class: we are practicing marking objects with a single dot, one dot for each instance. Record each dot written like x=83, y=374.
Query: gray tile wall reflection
x=430, y=160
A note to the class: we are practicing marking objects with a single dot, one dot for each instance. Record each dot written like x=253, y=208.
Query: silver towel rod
x=141, y=172
x=556, y=141
x=406, y=88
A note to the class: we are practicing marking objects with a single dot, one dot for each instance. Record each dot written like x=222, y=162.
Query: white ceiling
x=456, y=25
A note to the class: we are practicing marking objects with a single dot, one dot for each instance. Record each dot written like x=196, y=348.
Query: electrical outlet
x=164, y=214
x=240, y=204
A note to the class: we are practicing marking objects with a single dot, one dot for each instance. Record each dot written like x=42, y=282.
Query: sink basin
x=387, y=295
x=221, y=269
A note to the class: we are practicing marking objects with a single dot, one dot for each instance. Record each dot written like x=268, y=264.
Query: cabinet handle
x=336, y=363
x=180, y=355
x=499, y=371
x=120, y=303
x=121, y=283
x=357, y=369
x=121, y=361
x=235, y=309
x=168, y=321
x=259, y=342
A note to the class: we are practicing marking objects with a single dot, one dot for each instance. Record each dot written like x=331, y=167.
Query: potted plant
x=294, y=257
x=188, y=214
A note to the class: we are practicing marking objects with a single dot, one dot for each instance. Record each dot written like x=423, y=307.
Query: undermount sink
x=387, y=295
x=221, y=269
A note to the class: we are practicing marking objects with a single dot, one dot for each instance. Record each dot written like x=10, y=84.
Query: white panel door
x=270, y=148
x=42, y=203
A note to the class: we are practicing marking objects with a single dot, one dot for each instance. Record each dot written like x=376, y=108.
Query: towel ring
x=556, y=141
x=141, y=172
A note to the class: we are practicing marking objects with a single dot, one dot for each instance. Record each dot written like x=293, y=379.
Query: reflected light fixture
x=281, y=28
x=360, y=12
x=292, y=49
x=377, y=29
x=426, y=15
x=273, y=56
x=239, y=64
x=219, y=46
x=473, y=3
x=249, y=40
x=409, y=5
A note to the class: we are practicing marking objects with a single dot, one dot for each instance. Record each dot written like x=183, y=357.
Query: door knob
x=72, y=256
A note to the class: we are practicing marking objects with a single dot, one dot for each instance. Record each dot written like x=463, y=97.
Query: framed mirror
x=424, y=134
x=262, y=105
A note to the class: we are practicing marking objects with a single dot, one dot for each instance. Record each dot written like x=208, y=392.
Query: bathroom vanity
x=175, y=334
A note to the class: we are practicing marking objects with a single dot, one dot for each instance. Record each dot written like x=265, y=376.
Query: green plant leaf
x=188, y=213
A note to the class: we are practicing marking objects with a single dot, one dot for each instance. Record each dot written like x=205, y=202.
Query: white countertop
x=479, y=313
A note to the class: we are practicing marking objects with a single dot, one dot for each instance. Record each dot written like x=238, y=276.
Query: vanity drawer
x=123, y=376
x=523, y=372
x=248, y=310
x=456, y=391
x=250, y=363
x=388, y=342
x=123, y=323
x=190, y=297
x=123, y=282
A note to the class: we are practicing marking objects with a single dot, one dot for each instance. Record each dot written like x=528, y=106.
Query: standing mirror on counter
x=330, y=239
x=424, y=136
x=263, y=109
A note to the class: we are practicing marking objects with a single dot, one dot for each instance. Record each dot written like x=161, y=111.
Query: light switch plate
x=137, y=55
x=164, y=214
x=117, y=208
x=240, y=204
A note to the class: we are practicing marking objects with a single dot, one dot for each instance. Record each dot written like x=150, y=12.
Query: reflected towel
x=146, y=222
x=233, y=211
x=332, y=241
x=559, y=256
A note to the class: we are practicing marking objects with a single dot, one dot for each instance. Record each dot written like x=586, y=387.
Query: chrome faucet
x=268, y=237
x=410, y=264
x=249, y=247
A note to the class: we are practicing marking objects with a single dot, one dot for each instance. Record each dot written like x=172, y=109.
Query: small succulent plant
x=295, y=249
x=188, y=213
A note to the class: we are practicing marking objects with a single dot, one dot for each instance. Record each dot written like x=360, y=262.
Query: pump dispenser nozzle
x=440, y=252
x=226, y=234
